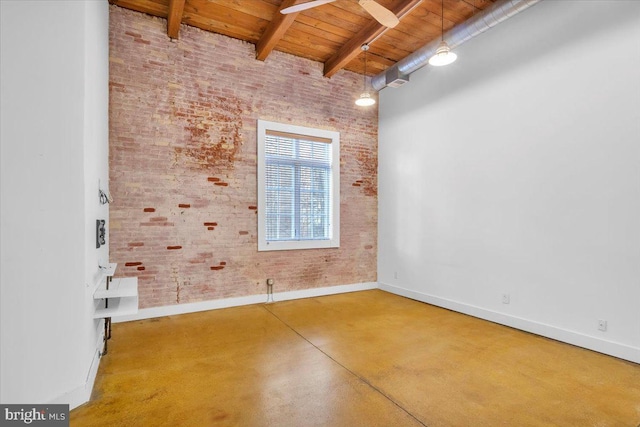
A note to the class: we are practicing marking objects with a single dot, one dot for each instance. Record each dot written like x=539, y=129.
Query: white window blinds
x=298, y=187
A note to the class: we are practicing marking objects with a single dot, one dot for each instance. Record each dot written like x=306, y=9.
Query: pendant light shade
x=443, y=55
x=365, y=99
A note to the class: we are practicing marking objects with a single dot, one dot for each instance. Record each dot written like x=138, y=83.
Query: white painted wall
x=54, y=142
x=517, y=170
x=96, y=175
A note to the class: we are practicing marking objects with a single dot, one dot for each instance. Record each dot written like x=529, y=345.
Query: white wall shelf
x=110, y=269
x=105, y=271
x=120, y=287
x=119, y=306
x=119, y=297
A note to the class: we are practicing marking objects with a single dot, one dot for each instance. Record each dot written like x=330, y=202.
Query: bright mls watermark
x=34, y=415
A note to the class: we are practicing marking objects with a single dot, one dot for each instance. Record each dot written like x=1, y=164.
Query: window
x=298, y=187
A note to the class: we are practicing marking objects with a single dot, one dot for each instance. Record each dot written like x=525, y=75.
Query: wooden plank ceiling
x=331, y=33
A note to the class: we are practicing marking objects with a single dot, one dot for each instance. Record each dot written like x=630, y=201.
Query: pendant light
x=365, y=99
x=443, y=55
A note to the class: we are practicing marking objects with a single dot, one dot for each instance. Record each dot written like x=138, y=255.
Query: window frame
x=333, y=241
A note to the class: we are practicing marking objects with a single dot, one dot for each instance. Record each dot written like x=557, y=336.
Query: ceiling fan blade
x=379, y=13
x=304, y=6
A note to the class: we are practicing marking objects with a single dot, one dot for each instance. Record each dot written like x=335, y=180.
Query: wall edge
x=171, y=310
x=609, y=348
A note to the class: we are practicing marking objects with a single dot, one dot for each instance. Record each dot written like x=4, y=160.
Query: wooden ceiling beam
x=372, y=30
x=174, y=17
x=275, y=30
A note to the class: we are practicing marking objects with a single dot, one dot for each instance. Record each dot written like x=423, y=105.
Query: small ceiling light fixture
x=365, y=99
x=443, y=55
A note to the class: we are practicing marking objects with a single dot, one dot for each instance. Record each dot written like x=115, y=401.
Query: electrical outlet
x=269, y=282
x=506, y=298
x=602, y=325
x=395, y=275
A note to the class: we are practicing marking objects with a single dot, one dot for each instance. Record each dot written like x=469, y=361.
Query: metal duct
x=500, y=11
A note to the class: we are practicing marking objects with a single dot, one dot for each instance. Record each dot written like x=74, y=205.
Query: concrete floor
x=360, y=359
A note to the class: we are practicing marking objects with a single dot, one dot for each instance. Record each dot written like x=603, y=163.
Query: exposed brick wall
x=183, y=118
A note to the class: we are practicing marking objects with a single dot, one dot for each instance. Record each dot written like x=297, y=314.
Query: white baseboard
x=81, y=394
x=170, y=310
x=619, y=350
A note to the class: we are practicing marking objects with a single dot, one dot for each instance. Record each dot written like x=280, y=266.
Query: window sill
x=296, y=245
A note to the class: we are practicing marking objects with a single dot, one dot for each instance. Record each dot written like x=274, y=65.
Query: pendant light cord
x=365, y=48
x=442, y=21
x=364, y=79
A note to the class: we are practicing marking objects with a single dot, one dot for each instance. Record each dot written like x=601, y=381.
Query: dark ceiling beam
x=275, y=30
x=369, y=32
x=174, y=17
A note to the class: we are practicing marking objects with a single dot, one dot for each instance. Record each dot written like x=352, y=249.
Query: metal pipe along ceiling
x=500, y=11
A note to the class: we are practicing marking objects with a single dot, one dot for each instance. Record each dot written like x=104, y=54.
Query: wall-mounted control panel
x=101, y=233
